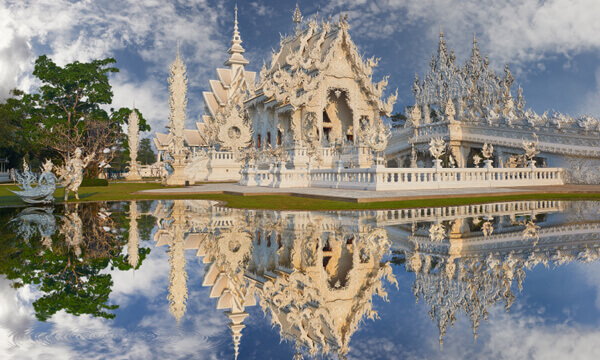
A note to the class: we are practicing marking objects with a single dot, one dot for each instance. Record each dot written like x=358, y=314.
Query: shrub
x=94, y=182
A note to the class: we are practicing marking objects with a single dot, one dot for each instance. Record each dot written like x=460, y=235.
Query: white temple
x=469, y=106
x=315, y=118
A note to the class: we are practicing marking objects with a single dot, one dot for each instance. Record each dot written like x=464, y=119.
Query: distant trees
x=66, y=112
x=146, y=155
x=398, y=119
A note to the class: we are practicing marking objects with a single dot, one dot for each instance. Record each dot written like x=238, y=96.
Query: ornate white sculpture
x=531, y=231
x=377, y=137
x=177, y=104
x=133, y=134
x=72, y=229
x=413, y=157
x=437, y=148
x=415, y=115
x=35, y=220
x=487, y=151
x=133, y=244
x=487, y=228
x=235, y=131
x=46, y=185
x=71, y=174
x=531, y=147
x=477, y=160
x=531, y=150
x=437, y=232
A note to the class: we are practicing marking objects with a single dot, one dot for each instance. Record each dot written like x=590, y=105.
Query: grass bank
x=126, y=191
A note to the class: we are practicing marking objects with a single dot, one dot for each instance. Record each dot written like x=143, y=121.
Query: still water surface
x=189, y=279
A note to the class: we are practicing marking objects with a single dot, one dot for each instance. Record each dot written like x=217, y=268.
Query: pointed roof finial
x=177, y=48
x=236, y=50
x=474, y=39
x=235, y=22
x=297, y=18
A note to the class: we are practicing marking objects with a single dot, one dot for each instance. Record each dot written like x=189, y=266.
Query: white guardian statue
x=71, y=174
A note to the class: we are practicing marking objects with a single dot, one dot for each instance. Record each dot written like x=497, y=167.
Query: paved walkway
x=361, y=196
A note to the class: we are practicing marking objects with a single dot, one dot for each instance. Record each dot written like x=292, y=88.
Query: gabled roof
x=161, y=141
x=192, y=137
x=303, y=61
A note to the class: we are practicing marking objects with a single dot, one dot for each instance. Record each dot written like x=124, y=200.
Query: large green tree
x=18, y=133
x=68, y=109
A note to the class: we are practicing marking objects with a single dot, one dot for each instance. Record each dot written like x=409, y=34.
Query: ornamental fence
x=381, y=178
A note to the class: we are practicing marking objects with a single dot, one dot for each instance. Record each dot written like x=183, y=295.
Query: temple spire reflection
x=133, y=245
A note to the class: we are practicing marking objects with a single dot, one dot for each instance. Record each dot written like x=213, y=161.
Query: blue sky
x=552, y=46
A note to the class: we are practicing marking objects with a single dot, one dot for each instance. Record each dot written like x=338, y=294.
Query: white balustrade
x=405, y=178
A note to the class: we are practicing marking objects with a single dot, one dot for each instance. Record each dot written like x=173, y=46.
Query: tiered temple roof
x=228, y=87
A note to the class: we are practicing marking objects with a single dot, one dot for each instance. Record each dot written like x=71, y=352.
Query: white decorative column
x=177, y=104
x=178, y=291
x=133, y=135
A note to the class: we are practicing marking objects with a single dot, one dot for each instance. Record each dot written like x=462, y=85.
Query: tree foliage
x=67, y=111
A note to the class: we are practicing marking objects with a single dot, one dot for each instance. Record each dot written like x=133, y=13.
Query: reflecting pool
x=189, y=279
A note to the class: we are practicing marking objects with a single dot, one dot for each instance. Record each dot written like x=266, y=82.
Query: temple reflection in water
x=315, y=274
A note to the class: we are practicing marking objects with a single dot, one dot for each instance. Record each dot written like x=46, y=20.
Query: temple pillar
x=177, y=177
x=459, y=153
x=500, y=156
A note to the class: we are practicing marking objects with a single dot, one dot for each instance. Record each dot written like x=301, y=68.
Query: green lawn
x=125, y=191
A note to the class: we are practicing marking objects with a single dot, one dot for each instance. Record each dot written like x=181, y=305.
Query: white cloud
x=151, y=97
x=93, y=29
x=511, y=31
x=591, y=102
x=153, y=334
x=261, y=9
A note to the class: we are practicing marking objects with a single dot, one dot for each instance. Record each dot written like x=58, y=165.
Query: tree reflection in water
x=67, y=265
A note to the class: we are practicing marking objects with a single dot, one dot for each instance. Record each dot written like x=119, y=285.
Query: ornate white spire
x=133, y=135
x=442, y=54
x=297, y=17
x=177, y=102
x=133, y=131
x=178, y=292
x=133, y=244
x=236, y=325
x=236, y=50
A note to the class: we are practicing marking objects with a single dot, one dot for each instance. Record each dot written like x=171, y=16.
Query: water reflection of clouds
x=276, y=245
x=591, y=272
